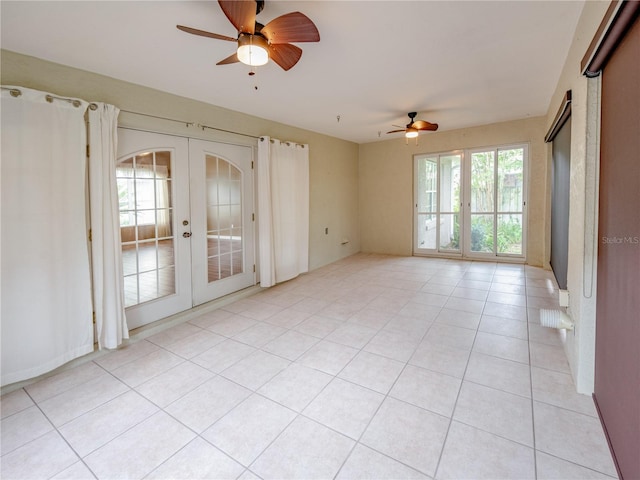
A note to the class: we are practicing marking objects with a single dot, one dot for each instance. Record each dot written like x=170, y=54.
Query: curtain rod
x=190, y=124
x=16, y=92
x=226, y=131
x=286, y=143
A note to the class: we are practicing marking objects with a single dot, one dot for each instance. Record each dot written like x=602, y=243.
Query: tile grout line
x=81, y=459
x=298, y=414
x=533, y=418
x=336, y=376
x=386, y=396
x=160, y=409
x=455, y=405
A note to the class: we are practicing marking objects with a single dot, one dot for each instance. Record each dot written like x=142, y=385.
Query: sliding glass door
x=471, y=203
x=437, y=203
x=496, y=193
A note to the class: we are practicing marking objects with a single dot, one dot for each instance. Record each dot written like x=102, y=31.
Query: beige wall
x=333, y=162
x=583, y=224
x=386, y=183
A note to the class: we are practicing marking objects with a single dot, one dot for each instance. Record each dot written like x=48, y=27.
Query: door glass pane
x=224, y=242
x=427, y=184
x=148, y=286
x=163, y=192
x=144, y=191
x=482, y=182
x=130, y=289
x=510, y=179
x=125, y=168
x=225, y=265
x=165, y=253
x=449, y=223
x=166, y=281
x=146, y=231
x=426, y=202
x=147, y=260
x=224, y=219
x=144, y=163
x=510, y=201
x=438, y=201
x=224, y=216
x=450, y=183
x=213, y=267
x=426, y=230
x=450, y=231
x=482, y=233
x=510, y=233
x=163, y=164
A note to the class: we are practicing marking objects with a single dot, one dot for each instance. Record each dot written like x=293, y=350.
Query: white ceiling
x=458, y=64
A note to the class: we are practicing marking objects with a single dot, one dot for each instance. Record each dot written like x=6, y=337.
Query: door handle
x=186, y=234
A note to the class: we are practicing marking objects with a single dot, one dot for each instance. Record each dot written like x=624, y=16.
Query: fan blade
x=202, y=33
x=241, y=13
x=230, y=59
x=422, y=125
x=285, y=55
x=292, y=27
x=396, y=131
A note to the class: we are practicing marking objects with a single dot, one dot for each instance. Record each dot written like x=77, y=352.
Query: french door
x=471, y=203
x=222, y=247
x=185, y=222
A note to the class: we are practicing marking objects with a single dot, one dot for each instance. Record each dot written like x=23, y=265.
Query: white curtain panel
x=45, y=280
x=283, y=210
x=106, y=250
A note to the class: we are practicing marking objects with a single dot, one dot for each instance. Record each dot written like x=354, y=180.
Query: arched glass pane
x=224, y=219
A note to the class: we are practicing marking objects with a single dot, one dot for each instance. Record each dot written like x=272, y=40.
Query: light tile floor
x=373, y=367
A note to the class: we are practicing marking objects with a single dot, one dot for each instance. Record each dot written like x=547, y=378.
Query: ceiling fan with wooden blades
x=412, y=128
x=258, y=43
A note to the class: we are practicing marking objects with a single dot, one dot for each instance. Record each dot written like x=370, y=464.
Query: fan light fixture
x=252, y=50
x=411, y=132
x=414, y=127
x=256, y=44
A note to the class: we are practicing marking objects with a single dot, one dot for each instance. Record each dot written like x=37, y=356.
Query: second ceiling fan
x=414, y=126
x=258, y=43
